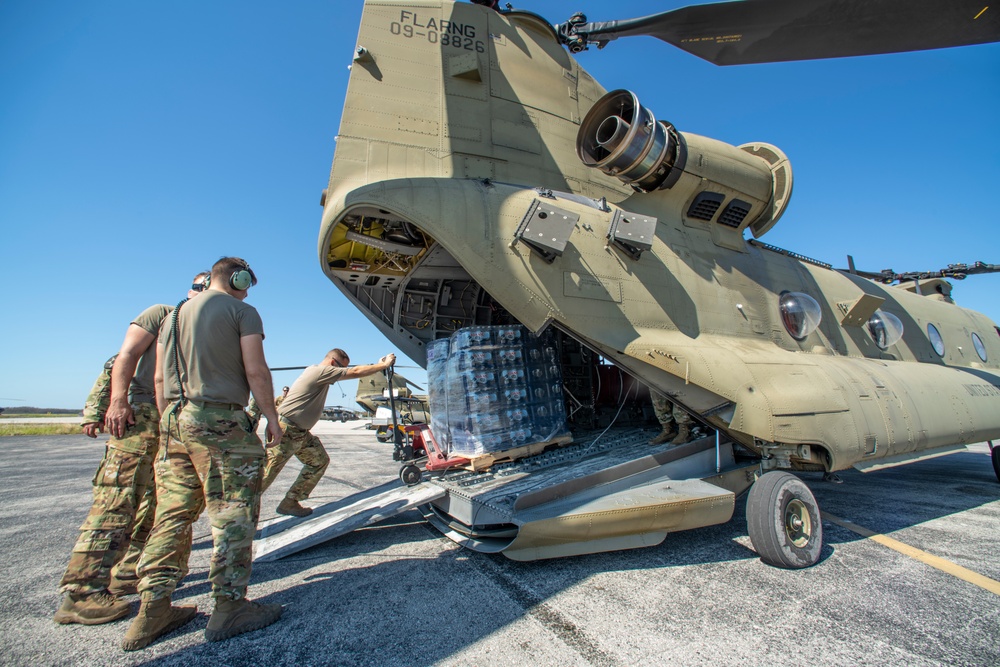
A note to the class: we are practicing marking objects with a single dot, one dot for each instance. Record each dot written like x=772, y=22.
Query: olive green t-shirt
x=208, y=349
x=304, y=404
x=150, y=320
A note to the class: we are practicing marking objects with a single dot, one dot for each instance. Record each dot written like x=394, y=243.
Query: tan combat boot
x=683, y=435
x=665, y=435
x=293, y=508
x=92, y=609
x=156, y=618
x=234, y=617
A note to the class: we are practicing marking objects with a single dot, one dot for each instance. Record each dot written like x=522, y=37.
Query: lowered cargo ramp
x=607, y=492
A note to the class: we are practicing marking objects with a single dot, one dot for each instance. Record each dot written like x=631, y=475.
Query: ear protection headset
x=242, y=279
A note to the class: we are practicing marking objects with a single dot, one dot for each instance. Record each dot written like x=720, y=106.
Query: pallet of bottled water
x=494, y=388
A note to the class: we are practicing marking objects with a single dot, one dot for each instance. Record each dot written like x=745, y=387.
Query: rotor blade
x=760, y=31
x=955, y=271
x=414, y=385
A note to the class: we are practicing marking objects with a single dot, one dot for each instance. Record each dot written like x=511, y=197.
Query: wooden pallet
x=486, y=461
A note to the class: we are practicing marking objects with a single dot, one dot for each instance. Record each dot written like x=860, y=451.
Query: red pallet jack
x=414, y=446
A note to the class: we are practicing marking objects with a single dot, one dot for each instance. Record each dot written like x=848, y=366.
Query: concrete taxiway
x=401, y=594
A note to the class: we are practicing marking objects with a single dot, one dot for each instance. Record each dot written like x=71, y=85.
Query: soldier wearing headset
x=210, y=357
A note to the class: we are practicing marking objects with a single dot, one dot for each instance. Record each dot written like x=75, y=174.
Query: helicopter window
x=885, y=328
x=936, y=341
x=800, y=313
x=977, y=343
x=705, y=205
x=734, y=214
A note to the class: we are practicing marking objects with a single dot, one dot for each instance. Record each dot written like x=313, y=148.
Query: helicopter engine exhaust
x=623, y=139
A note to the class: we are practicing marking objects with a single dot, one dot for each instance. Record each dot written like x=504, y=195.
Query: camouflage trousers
x=667, y=411
x=308, y=449
x=114, y=533
x=211, y=460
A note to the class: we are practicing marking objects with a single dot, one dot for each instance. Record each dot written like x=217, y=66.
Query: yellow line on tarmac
x=947, y=566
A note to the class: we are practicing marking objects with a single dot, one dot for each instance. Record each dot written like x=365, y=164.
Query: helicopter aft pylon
x=462, y=193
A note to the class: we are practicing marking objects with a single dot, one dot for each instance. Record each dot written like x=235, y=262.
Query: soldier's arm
x=259, y=379
x=364, y=370
x=97, y=401
x=119, y=416
x=161, y=401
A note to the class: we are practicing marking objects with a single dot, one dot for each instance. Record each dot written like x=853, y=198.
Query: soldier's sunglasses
x=198, y=287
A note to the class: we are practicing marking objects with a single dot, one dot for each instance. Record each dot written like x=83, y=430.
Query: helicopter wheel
x=784, y=522
x=409, y=474
x=995, y=454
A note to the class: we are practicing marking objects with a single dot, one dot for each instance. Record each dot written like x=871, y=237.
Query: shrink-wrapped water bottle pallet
x=486, y=461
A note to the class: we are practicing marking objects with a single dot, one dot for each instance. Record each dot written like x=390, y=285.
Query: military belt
x=142, y=398
x=217, y=406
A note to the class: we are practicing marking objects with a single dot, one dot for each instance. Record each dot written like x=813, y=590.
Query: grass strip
x=39, y=429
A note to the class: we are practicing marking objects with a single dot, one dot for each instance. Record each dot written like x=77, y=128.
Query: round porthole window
x=885, y=328
x=935, y=337
x=977, y=343
x=800, y=313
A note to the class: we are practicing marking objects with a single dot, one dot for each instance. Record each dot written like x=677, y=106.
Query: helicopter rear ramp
x=606, y=492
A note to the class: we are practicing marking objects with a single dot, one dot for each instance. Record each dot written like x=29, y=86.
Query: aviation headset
x=241, y=279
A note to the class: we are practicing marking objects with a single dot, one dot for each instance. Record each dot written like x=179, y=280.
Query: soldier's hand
x=118, y=418
x=91, y=429
x=272, y=434
x=388, y=360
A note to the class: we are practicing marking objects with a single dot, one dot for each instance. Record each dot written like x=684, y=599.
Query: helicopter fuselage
x=457, y=173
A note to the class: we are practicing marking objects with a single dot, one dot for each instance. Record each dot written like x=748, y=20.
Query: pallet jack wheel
x=409, y=474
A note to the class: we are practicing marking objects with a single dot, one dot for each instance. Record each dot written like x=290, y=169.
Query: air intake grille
x=705, y=205
x=734, y=214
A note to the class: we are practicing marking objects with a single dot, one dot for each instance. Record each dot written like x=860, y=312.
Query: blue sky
x=139, y=142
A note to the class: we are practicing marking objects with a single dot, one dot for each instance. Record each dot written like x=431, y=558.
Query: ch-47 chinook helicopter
x=372, y=394
x=482, y=177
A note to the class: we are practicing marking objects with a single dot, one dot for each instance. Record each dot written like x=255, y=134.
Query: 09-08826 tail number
x=447, y=33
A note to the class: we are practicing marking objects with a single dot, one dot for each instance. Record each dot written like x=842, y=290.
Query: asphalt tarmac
x=401, y=594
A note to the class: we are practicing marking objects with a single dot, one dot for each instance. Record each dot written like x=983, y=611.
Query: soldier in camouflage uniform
x=676, y=423
x=211, y=460
x=299, y=412
x=102, y=564
x=254, y=410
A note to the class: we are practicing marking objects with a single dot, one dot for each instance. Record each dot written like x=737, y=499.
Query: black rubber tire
x=409, y=475
x=784, y=522
x=996, y=461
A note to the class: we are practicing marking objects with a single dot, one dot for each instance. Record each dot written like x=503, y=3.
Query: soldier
x=102, y=565
x=210, y=357
x=676, y=423
x=254, y=410
x=298, y=413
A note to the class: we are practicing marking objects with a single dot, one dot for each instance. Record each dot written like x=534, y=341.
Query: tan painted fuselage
x=460, y=121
